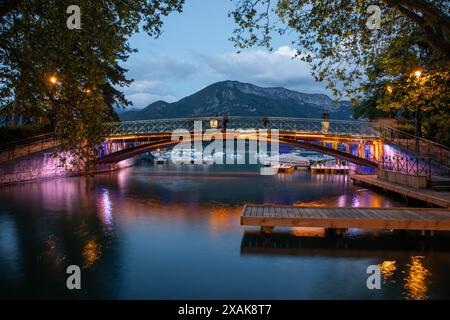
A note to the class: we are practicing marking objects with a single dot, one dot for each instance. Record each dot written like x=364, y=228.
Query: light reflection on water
x=417, y=278
x=91, y=252
x=174, y=232
x=388, y=269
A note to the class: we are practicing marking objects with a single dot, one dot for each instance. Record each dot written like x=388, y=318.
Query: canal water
x=168, y=232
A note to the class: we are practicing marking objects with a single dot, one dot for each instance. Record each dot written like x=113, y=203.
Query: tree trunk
x=418, y=122
x=15, y=113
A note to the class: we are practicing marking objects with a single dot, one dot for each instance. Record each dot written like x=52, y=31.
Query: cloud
x=170, y=78
x=154, y=78
x=160, y=67
x=141, y=100
x=144, y=85
x=144, y=92
x=260, y=67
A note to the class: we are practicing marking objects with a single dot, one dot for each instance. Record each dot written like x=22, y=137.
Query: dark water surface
x=171, y=232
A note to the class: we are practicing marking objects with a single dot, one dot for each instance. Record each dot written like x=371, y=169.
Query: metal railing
x=288, y=125
x=407, y=165
x=28, y=146
x=422, y=148
x=26, y=141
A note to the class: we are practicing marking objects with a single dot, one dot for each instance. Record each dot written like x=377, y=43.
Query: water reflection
x=370, y=245
x=165, y=232
x=219, y=218
x=387, y=269
x=9, y=247
x=91, y=252
x=105, y=209
x=416, y=281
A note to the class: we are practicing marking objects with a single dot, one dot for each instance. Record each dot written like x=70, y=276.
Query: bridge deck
x=338, y=217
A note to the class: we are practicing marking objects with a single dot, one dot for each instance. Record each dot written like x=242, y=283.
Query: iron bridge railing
x=287, y=125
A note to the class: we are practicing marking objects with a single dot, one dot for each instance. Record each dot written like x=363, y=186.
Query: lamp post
x=53, y=80
x=418, y=116
x=389, y=90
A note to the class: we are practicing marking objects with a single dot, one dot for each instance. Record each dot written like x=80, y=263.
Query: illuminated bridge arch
x=167, y=142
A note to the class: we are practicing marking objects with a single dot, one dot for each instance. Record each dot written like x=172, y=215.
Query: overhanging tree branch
x=434, y=22
x=7, y=5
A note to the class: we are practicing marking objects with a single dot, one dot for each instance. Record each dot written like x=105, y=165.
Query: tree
x=333, y=36
x=73, y=76
x=376, y=67
x=7, y=5
x=421, y=94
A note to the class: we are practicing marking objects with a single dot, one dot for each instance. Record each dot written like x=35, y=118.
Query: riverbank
x=45, y=166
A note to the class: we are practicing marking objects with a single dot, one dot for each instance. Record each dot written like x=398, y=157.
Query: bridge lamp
x=214, y=123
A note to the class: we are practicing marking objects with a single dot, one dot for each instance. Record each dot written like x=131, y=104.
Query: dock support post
x=266, y=230
x=329, y=232
x=338, y=232
x=426, y=233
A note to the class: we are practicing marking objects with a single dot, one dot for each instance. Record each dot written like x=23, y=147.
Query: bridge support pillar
x=361, y=151
x=335, y=146
x=377, y=150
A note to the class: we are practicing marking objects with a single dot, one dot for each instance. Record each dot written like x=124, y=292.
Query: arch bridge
x=358, y=142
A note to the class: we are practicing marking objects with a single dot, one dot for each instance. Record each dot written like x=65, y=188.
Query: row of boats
x=285, y=163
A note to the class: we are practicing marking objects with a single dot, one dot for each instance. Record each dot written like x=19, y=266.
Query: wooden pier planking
x=438, y=198
x=435, y=219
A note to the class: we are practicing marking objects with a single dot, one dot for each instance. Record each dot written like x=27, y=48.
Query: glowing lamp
x=417, y=73
x=389, y=89
x=214, y=123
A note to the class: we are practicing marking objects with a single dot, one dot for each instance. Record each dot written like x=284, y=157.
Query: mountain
x=234, y=98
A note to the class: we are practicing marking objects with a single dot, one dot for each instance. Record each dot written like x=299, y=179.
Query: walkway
x=438, y=198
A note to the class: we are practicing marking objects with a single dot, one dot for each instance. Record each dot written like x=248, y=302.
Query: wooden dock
x=269, y=216
x=437, y=198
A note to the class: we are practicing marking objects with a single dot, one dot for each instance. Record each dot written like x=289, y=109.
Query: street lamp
x=418, y=120
x=389, y=89
x=53, y=80
x=417, y=73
